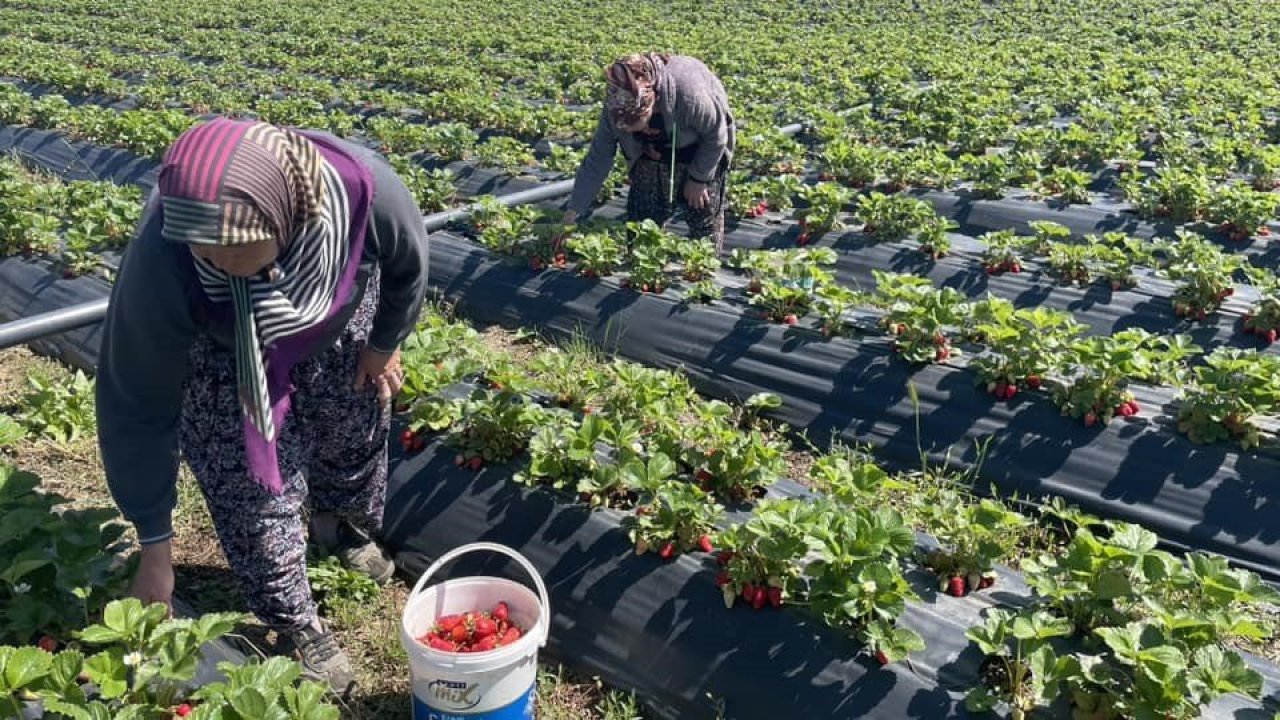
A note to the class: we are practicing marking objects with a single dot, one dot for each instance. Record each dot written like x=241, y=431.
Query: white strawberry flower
x=133, y=659
x=869, y=587
x=21, y=589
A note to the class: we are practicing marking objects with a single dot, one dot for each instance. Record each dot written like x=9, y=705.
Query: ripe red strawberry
x=791, y=319
x=436, y=643
x=406, y=436
x=449, y=622
x=501, y=612
x=1123, y=410
x=1033, y=382
x=759, y=599
x=486, y=626
x=999, y=389
x=802, y=239
x=47, y=644
x=724, y=557
x=1090, y=419
x=941, y=354
x=722, y=579
x=990, y=269
x=1271, y=335
x=644, y=287
x=182, y=710
x=1133, y=407
x=775, y=596
x=1010, y=391
x=882, y=658
x=511, y=635
x=955, y=586
x=704, y=543
x=939, y=339
x=748, y=592
x=485, y=644
x=667, y=551
x=476, y=463
x=1016, y=268
x=987, y=581
x=703, y=476
x=459, y=633
x=419, y=442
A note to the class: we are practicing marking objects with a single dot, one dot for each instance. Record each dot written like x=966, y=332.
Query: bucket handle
x=545, y=608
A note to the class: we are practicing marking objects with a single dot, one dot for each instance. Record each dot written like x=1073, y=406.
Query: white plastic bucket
x=494, y=685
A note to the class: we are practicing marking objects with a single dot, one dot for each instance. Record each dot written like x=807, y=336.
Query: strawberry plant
x=856, y=578
x=450, y=141
x=1205, y=273
x=1240, y=210
x=1025, y=346
x=499, y=227
x=1001, y=252
x=832, y=304
x=1069, y=185
x=933, y=239
x=504, y=153
x=849, y=477
x=496, y=425
x=435, y=190
x=823, y=211
x=893, y=217
x=703, y=291
x=974, y=536
x=1100, y=368
x=761, y=559
x=59, y=567
x=784, y=282
x=599, y=254
x=1117, y=254
x=1021, y=670
x=1230, y=390
x=563, y=159
x=672, y=517
x=649, y=269
x=333, y=583
x=57, y=409
x=919, y=315
x=561, y=454
x=699, y=258
x=1263, y=319
x=990, y=174
x=852, y=163
x=1047, y=235
x=1173, y=192
x=1071, y=263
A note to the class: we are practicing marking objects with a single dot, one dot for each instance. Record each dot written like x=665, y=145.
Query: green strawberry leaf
x=21, y=667
x=107, y=670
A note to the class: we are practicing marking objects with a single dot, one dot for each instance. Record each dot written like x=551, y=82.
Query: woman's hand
x=383, y=371
x=153, y=581
x=696, y=195
x=570, y=217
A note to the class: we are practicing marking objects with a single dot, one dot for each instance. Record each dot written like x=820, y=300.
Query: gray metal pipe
x=28, y=329
x=435, y=221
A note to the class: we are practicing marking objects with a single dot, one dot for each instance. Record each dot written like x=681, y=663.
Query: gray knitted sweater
x=691, y=98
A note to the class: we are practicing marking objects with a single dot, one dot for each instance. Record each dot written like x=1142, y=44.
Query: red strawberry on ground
x=941, y=354
x=760, y=598
x=955, y=586
x=791, y=319
x=987, y=581
x=882, y=658
x=667, y=551
x=803, y=239
x=722, y=579
x=1090, y=419
x=182, y=710
x=47, y=644
x=775, y=596
x=1134, y=407
x=704, y=543
x=1033, y=382
x=748, y=592
x=1010, y=391
x=476, y=463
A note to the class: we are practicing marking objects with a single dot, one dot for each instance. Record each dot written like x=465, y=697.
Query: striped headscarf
x=231, y=182
x=631, y=79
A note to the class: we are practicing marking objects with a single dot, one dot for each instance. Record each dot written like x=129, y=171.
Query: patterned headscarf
x=231, y=182
x=631, y=81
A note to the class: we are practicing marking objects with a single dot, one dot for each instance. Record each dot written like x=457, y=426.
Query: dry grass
x=369, y=634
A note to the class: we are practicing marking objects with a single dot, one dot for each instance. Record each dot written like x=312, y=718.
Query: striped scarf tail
x=251, y=371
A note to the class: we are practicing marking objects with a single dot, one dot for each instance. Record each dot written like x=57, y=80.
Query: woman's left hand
x=696, y=195
x=383, y=371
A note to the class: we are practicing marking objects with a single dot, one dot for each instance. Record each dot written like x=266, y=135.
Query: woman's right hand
x=153, y=581
x=570, y=217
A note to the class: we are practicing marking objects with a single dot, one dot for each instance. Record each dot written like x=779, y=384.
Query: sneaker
x=353, y=548
x=321, y=658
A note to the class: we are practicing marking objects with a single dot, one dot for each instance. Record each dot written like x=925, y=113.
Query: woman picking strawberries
x=254, y=330
x=670, y=115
